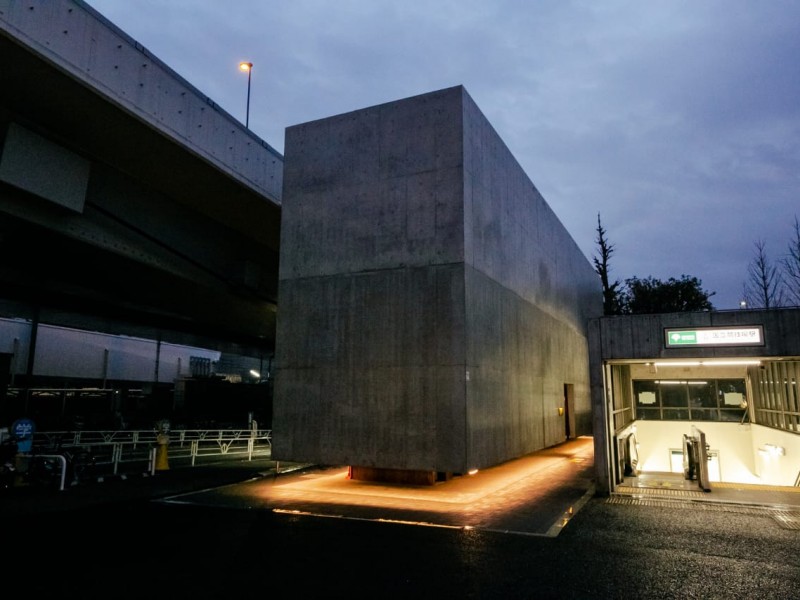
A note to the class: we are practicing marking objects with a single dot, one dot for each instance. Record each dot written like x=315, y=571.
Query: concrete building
x=433, y=309
x=429, y=312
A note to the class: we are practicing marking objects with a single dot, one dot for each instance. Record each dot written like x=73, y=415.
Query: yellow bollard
x=162, y=458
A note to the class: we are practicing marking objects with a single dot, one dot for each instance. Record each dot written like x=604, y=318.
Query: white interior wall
x=773, y=466
x=748, y=453
x=732, y=441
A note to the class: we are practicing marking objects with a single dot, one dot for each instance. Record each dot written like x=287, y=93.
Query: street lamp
x=247, y=66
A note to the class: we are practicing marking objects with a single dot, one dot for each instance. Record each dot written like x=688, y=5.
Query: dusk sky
x=677, y=121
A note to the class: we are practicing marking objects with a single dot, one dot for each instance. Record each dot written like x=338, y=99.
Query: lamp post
x=247, y=66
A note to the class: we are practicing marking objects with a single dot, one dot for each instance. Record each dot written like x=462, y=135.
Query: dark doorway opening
x=569, y=410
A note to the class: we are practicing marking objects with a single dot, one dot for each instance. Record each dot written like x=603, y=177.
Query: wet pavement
x=531, y=528
x=534, y=495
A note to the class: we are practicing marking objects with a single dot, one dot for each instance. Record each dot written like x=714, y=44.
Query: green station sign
x=682, y=338
x=715, y=336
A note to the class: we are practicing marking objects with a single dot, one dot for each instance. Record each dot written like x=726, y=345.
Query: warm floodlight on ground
x=248, y=67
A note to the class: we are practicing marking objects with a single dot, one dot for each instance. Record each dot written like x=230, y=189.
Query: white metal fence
x=98, y=454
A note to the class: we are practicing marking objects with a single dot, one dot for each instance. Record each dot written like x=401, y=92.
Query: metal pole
x=247, y=117
x=247, y=66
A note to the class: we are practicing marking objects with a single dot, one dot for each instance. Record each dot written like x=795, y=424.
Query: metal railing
x=100, y=454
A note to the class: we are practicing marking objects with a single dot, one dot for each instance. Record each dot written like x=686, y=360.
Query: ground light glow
x=395, y=521
x=491, y=500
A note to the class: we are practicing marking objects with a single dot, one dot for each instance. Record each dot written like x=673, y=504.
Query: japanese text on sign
x=715, y=336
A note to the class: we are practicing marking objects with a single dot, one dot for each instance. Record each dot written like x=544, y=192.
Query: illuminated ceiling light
x=684, y=363
x=708, y=363
x=255, y=373
x=726, y=363
x=772, y=450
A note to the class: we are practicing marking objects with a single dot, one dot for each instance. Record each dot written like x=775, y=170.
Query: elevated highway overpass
x=130, y=203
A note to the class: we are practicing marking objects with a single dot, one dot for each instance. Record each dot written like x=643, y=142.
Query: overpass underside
x=113, y=216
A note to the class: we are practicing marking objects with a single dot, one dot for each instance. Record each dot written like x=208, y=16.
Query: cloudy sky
x=677, y=121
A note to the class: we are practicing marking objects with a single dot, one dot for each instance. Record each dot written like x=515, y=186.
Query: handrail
x=61, y=459
x=180, y=436
x=110, y=450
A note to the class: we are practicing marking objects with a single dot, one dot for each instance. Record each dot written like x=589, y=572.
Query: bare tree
x=612, y=304
x=764, y=285
x=791, y=267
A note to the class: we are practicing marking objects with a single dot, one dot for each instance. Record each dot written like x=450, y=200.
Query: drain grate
x=630, y=501
x=786, y=519
x=672, y=493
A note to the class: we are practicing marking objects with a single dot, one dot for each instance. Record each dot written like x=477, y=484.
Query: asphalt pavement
x=531, y=529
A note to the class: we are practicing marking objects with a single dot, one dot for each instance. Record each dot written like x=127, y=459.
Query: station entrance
x=717, y=416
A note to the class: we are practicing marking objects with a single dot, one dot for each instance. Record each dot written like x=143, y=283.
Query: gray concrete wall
x=425, y=320
x=530, y=292
x=370, y=357
x=370, y=369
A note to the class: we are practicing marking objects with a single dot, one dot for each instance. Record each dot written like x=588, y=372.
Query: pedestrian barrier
x=100, y=454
